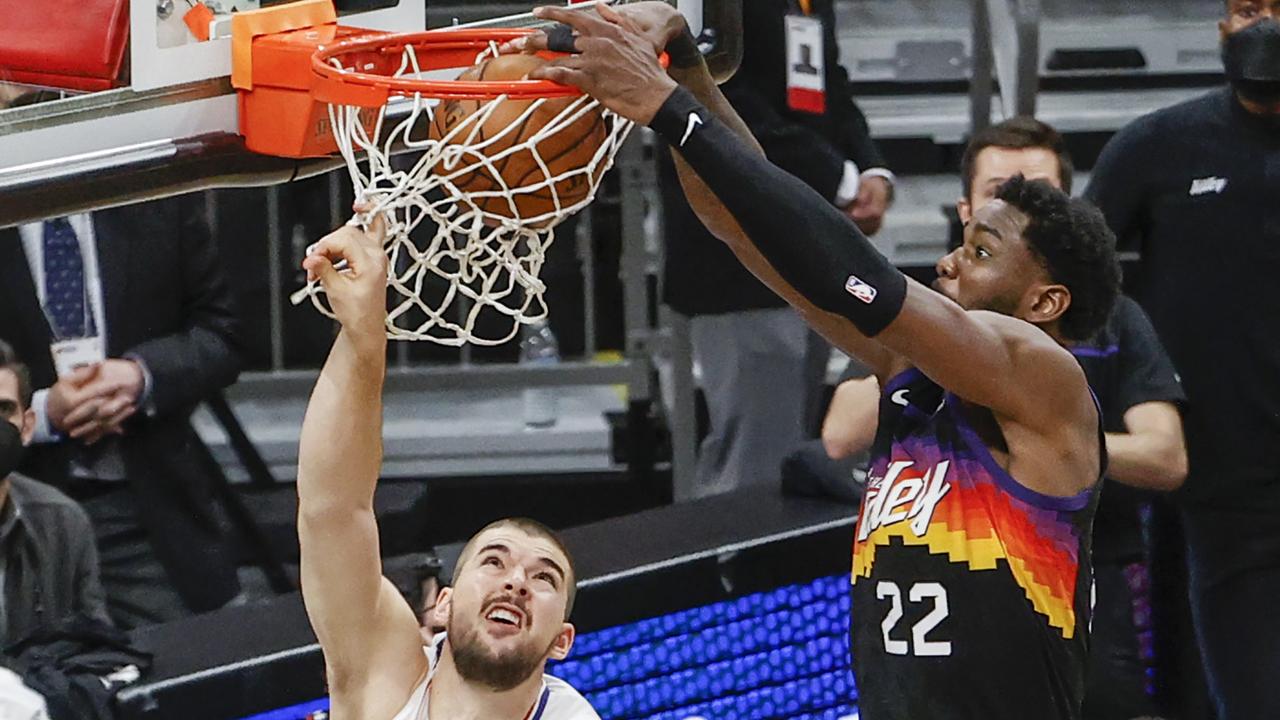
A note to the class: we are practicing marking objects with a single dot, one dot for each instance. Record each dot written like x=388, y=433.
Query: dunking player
x=513, y=585
x=970, y=572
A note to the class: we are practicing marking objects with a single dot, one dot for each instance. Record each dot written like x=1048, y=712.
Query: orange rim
x=436, y=50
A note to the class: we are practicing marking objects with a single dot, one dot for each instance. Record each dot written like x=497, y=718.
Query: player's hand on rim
x=617, y=63
x=351, y=265
x=658, y=21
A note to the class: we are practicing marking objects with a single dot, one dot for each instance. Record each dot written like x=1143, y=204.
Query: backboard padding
x=155, y=66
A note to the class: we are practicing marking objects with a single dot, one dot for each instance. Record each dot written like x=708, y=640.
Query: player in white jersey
x=556, y=700
x=507, y=612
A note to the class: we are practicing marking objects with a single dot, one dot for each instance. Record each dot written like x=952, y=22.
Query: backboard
x=164, y=51
x=172, y=127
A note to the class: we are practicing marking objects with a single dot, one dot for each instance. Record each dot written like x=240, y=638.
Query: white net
x=471, y=203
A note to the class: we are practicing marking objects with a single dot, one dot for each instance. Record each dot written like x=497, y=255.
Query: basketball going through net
x=487, y=165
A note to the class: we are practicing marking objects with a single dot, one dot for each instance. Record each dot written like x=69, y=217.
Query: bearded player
x=507, y=612
x=971, y=577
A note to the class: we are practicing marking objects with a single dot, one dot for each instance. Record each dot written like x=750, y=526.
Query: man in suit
x=762, y=368
x=127, y=322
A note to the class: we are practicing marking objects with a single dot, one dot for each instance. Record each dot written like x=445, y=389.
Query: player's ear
x=965, y=210
x=444, y=602
x=564, y=642
x=1048, y=304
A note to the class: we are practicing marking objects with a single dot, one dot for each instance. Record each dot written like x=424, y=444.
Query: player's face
x=994, y=268
x=991, y=168
x=506, y=610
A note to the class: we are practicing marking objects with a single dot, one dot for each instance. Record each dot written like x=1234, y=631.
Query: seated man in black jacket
x=48, y=562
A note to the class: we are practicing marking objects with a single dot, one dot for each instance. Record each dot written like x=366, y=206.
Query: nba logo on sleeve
x=859, y=289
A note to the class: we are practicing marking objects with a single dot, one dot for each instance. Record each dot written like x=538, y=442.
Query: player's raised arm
x=807, y=250
x=626, y=41
x=372, y=649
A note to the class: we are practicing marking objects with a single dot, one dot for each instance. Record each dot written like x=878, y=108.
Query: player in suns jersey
x=971, y=575
x=958, y=565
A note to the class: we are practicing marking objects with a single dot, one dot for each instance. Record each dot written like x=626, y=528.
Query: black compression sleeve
x=812, y=245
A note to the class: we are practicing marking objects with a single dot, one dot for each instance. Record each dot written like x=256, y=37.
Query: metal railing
x=1006, y=48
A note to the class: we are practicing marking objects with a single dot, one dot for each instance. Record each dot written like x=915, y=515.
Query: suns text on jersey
x=903, y=494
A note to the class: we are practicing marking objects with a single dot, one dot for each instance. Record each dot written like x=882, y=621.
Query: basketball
x=566, y=151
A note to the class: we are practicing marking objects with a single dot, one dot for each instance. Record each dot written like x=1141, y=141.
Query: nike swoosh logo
x=694, y=121
x=899, y=398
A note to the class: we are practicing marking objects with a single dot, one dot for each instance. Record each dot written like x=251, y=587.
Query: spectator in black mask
x=1196, y=189
x=48, y=562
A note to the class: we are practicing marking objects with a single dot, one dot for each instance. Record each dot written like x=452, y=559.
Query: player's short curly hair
x=1071, y=239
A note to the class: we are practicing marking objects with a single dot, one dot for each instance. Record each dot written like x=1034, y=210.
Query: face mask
x=1251, y=60
x=10, y=448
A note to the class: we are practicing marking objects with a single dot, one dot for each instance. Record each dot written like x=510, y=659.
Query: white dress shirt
x=105, y=462
x=33, y=245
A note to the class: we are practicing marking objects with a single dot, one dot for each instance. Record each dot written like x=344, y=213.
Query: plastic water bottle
x=538, y=346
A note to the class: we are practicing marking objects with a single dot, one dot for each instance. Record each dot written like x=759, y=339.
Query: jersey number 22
x=919, y=645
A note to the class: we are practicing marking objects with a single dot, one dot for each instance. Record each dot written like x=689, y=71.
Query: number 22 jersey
x=971, y=592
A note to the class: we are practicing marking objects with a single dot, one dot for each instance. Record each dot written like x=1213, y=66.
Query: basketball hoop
x=471, y=215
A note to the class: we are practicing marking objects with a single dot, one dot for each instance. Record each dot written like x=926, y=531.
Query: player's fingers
x=318, y=264
x=564, y=75
x=312, y=265
x=308, y=264
x=561, y=38
x=593, y=44
x=320, y=268
x=586, y=23
x=375, y=234
x=613, y=16
x=341, y=244
x=531, y=43
x=557, y=38
x=571, y=62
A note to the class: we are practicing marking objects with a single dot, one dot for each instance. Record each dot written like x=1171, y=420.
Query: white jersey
x=557, y=700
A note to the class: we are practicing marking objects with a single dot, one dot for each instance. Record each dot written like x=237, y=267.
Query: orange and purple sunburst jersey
x=971, y=592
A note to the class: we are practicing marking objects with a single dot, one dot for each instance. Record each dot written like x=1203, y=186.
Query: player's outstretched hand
x=617, y=62
x=357, y=291
x=658, y=21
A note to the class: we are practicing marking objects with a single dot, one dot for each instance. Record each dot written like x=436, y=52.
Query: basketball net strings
x=469, y=268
